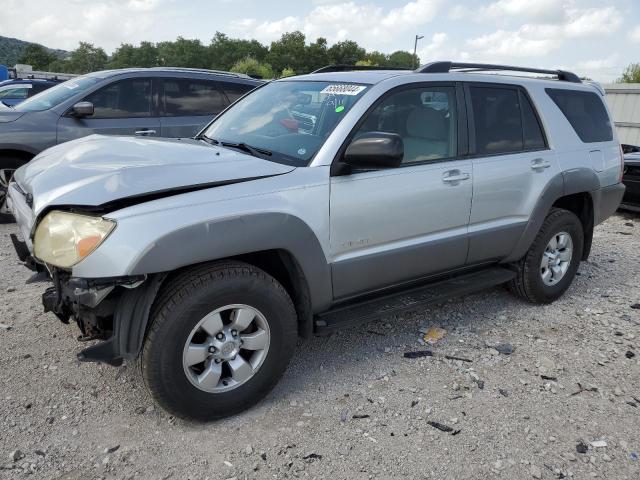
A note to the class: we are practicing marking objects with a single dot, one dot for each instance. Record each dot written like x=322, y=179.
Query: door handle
x=145, y=132
x=540, y=164
x=453, y=176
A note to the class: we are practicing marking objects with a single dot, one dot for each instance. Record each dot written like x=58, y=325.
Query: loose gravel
x=536, y=392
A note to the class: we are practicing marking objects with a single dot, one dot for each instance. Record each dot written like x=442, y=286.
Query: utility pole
x=415, y=48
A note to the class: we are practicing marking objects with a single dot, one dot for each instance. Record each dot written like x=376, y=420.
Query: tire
x=529, y=283
x=183, y=302
x=7, y=165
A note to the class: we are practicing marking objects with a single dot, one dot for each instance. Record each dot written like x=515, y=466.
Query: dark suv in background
x=150, y=102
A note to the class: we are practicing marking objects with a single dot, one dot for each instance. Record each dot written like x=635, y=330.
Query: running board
x=413, y=298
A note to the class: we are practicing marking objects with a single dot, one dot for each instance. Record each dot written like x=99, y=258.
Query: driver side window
x=425, y=119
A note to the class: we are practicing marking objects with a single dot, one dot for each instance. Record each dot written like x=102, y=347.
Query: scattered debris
x=16, y=455
x=462, y=359
x=111, y=449
x=360, y=416
x=598, y=444
x=633, y=456
x=312, y=456
x=582, y=447
x=629, y=224
x=547, y=377
x=505, y=348
x=434, y=334
x=583, y=389
x=535, y=471
x=629, y=354
x=414, y=403
x=343, y=415
x=479, y=382
x=443, y=428
x=375, y=332
x=5, y=327
x=636, y=306
x=418, y=354
x=503, y=392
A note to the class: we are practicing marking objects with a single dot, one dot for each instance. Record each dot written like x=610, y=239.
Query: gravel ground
x=351, y=405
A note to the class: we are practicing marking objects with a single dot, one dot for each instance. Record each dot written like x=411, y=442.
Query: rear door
x=187, y=105
x=123, y=107
x=512, y=164
x=395, y=225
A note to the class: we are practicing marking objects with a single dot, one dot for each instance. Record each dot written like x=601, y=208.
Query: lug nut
x=217, y=360
x=212, y=349
x=234, y=333
x=220, y=336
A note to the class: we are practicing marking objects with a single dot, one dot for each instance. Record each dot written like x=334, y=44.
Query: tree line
x=289, y=55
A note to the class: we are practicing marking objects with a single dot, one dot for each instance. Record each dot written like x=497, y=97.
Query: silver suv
x=313, y=203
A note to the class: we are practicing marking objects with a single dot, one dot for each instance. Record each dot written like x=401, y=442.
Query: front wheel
x=8, y=165
x=221, y=337
x=550, y=264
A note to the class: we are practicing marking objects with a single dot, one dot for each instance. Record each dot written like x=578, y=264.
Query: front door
x=123, y=107
x=396, y=225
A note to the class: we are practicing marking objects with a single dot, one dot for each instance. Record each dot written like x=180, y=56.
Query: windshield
x=290, y=120
x=56, y=95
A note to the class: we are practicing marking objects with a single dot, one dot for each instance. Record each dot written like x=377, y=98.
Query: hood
x=99, y=170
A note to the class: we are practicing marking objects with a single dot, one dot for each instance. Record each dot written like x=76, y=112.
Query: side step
x=415, y=297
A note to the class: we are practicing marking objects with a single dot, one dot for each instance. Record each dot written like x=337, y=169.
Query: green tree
x=376, y=58
x=127, y=55
x=287, y=72
x=37, y=56
x=253, y=67
x=316, y=55
x=224, y=52
x=631, y=74
x=288, y=52
x=403, y=59
x=346, y=52
x=84, y=59
x=183, y=53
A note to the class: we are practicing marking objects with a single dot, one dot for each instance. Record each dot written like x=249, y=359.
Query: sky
x=595, y=38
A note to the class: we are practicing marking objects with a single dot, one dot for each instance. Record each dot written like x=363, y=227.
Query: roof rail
x=445, y=67
x=350, y=68
x=202, y=70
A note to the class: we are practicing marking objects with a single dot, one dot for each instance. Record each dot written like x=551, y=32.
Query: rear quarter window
x=585, y=112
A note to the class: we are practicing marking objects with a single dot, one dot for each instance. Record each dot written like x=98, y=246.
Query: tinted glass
x=187, y=98
x=585, y=112
x=56, y=95
x=16, y=92
x=497, y=120
x=37, y=88
x=289, y=119
x=125, y=99
x=425, y=118
x=533, y=136
x=235, y=90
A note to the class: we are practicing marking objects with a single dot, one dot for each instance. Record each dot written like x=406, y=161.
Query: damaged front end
x=113, y=311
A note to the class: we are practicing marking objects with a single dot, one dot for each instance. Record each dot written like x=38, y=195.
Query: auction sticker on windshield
x=343, y=89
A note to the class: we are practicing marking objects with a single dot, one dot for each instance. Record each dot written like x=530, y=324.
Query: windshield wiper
x=256, y=152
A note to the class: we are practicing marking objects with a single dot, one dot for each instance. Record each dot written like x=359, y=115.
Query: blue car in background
x=15, y=91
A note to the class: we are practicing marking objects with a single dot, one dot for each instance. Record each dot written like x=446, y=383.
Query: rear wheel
x=8, y=165
x=221, y=337
x=549, y=266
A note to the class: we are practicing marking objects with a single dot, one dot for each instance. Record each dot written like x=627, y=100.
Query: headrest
x=427, y=123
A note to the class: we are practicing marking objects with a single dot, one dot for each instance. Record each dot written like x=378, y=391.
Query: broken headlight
x=63, y=239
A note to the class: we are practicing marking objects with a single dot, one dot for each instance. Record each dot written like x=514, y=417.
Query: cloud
x=365, y=23
x=635, y=35
x=440, y=48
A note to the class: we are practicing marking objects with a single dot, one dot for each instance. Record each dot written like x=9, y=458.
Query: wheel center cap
x=227, y=349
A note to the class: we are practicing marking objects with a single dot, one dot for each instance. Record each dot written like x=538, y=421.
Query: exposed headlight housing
x=63, y=239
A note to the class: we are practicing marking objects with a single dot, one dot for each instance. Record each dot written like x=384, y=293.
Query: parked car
x=209, y=256
x=151, y=102
x=631, y=178
x=15, y=91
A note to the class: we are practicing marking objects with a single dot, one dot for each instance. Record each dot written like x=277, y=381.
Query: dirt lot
x=351, y=406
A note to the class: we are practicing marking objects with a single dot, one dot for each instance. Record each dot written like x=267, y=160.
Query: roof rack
x=202, y=70
x=446, y=67
x=351, y=68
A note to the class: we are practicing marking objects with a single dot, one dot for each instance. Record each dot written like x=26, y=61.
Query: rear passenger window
x=425, y=118
x=497, y=120
x=585, y=112
x=533, y=136
x=192, y=98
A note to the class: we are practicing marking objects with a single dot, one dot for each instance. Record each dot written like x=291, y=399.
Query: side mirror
x=375, y=150
x=82, y=109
